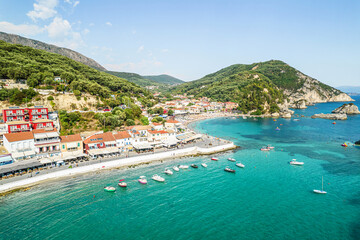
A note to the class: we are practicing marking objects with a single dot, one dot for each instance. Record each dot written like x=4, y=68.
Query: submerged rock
x=332, y=116
x=347, y=109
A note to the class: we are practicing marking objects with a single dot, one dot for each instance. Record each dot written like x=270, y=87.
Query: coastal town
x=31, y=142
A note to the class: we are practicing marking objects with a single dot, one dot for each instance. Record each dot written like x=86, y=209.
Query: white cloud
x=133, y=32
x=74, y=4
x=165, y=50
x=58, y=28
x=91, y=24
x=85, y=31
x=22, y=29
x=43, y=9
x=140, y=49
x=108, y=23
x=63, y=34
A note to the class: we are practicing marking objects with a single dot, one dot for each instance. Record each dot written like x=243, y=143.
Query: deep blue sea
x=268, y=199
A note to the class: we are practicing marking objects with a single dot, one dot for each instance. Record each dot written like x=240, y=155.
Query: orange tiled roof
x=172, y=121
x=103, y=137
x=122, y=135
x=156, y=132
x=44, y=130
x=14, y=137
x=71, y=138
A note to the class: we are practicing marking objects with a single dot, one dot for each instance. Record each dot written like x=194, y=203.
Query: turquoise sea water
x=268, y=199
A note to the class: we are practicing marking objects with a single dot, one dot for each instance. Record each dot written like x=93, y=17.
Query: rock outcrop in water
x=347, y=109
x=16, y=39
x=332, y=116
x=357, y=143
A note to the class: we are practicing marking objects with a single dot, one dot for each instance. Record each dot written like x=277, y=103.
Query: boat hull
x=319, y=191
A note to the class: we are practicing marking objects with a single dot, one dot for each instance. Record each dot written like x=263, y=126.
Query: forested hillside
x=259, y=86
x=39, y=67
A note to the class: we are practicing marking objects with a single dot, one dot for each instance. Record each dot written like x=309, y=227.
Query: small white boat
x=204, y=165
x=176, y=168
x=270, y=147
x=168, y=172
x=183, y=166
x=322, y=187
x=294, y=162
x=158, y=178
x=142, y=180
x=265, y=149
x=240, y=165
x=109, y=189
x=122, y=183
x=232, y=159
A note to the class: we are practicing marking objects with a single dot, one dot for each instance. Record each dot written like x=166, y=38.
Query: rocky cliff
x=16, y=39
x=312, y=91
x=332, y=116
x=347, y=109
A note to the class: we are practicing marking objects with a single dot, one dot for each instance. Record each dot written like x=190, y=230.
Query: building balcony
x=47, y=141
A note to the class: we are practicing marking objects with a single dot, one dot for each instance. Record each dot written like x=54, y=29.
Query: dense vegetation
x=253, y=86
x=135, y=78
x=16, y=96
x=164, y=79
x=75, y=122
x=39, y=68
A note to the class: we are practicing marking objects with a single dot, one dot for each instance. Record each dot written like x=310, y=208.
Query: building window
x=78, y=144
x=63, y=146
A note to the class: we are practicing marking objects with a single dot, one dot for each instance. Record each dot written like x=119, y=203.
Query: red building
x=42, y=124
x=18, y=126
x=25, y=119
x=101, y=140
x=35, y=113
x=13, y=114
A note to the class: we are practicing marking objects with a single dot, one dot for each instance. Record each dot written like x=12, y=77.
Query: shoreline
x=25, y=184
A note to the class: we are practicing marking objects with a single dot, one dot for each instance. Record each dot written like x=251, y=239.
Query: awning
x=29, y=153
x=17, y=154
x=45, y=161
x=20, y=165
x=52, y=134
x=60, y=161
x=142, y=146
x=40, y=135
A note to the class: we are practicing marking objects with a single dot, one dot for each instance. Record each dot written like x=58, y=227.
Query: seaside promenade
x=208, y=145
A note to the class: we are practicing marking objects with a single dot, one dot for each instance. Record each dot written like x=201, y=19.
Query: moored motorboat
x=344, y=145
x=294, y=162
x=158, y=178
x=270, y=147
x=109, y=189
x=265, y=149
x=183, y=166
x=204, y=165
x=122, y=183
x=168, y=172
x=194, y=166
x=240, y=165
x=231, y=159
x=142, y=180
x=227, y=169
x=215, y=159
x=176, y=168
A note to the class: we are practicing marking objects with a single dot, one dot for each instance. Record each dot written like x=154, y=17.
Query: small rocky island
x=347, y=109
x=332, y=116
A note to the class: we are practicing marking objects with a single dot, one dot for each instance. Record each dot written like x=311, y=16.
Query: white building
x=123, y=140
x=47, y=142
x=20, y=145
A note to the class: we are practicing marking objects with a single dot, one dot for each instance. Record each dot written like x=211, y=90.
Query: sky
x=189, y=39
